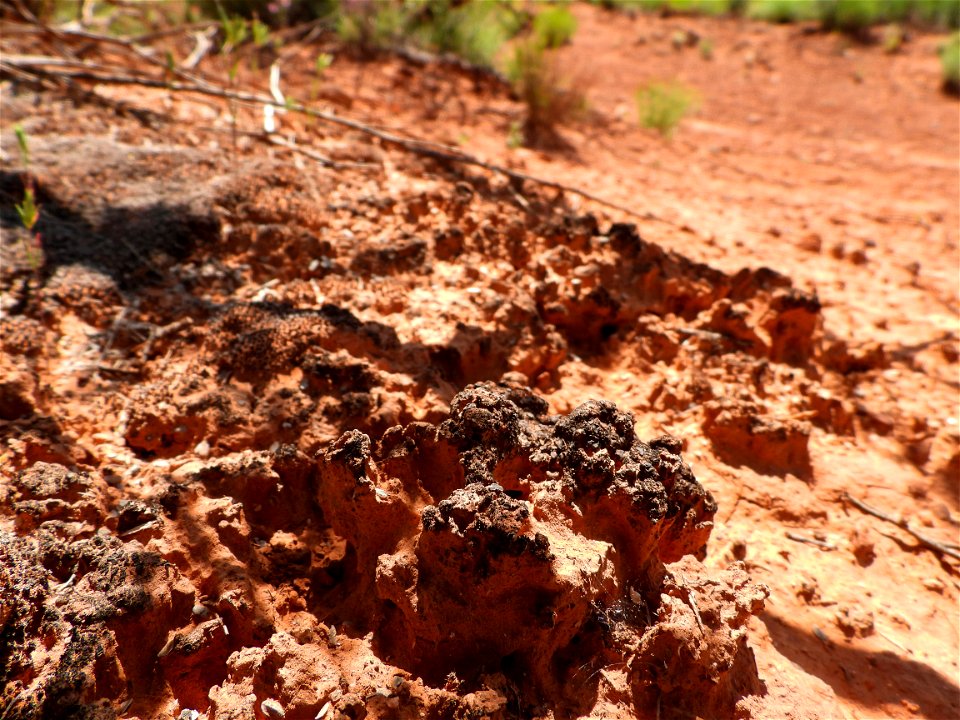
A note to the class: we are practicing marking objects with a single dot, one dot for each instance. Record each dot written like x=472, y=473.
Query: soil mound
x=499, y=550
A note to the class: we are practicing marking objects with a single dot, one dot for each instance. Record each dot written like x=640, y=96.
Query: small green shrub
x=857, y=16
x=950, y=63
x=274, y=13
x=370, y=25
x=782, y=11
x=474, y=31
x=554, y=26
x=662, y=105
x=549, y=99
x=851, y=16
x=700, y=7
x=938, y=13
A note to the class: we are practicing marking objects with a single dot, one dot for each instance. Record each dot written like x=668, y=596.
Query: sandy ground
x=242, y=473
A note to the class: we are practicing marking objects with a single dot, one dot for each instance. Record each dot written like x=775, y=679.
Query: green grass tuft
x=474, y=31
x=857, y=16
x=374, y=25
x=782, y=11
x=554, y=26
x=852, y=16
x=662, y=105
x=548, y=98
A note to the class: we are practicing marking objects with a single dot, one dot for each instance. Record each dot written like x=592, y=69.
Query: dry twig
x=947, y=549
x=810, y=541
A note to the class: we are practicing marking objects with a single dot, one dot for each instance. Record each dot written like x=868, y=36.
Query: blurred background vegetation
x=440, y=23
x=513, y=38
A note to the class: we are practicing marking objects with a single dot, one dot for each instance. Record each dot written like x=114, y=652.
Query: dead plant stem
x=927, y=542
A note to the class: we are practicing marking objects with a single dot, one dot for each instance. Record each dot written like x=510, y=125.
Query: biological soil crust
x=398, y=438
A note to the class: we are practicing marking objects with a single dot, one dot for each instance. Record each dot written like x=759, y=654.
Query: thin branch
x=810, y=541
x=187, y=27
x=57, y=61
x=66, y=34
x=32, y=19
x=425, y=148
x=274, y=139
x=312, y=154
x=927, y=542
x=62, y=83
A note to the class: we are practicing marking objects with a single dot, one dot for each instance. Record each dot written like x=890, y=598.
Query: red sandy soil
x=401, y=438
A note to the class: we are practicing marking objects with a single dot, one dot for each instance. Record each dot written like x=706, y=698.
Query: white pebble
x=271, y=708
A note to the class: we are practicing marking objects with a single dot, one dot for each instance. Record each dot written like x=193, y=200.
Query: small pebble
x=271, y=708
x=934, y=584
x=200, y=611
x=202, y=449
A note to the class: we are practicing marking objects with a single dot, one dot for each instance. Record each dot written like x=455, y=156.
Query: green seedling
x=260, y=32
x=324, y=61
x=515, y=135
x=28, y=210
x=22, y=144
x=234, y=32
